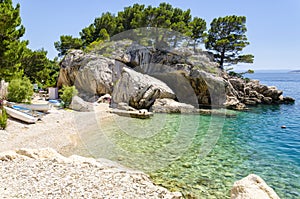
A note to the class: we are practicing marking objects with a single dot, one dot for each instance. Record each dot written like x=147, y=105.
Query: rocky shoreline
x=140, y=76
x=44, y=173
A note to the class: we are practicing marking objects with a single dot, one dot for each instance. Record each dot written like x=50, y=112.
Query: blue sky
x=273, y=26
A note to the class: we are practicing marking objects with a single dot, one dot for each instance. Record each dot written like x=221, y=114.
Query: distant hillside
x=295, y=71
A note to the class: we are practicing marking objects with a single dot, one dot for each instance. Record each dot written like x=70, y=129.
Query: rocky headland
x=141, y=76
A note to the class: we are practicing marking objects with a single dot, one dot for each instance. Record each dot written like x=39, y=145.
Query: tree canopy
x=227, y=38
x=138, y=16
x=16, y=60
x=11, y=30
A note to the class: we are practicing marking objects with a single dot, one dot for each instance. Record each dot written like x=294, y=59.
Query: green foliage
x=20, y=90
x=240, y=75
x=3, y=119
x=139, y=16
x=16, y=60
x=67, y=93
x=11, y=48
x=66, y=43
x=226, y=39
x=49, y=74
x=197, y=31
x=33, y=62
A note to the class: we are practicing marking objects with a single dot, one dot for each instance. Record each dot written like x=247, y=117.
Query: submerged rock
x=252, y=187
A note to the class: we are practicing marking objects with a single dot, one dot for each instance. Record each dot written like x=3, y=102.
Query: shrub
x=3, y=119
x=67, y=93
x=20, y=90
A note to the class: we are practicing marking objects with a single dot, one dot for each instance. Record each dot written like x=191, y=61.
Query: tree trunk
x=222, y=59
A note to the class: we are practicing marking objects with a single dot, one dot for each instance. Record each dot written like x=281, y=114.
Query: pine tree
x=11, y=48
x=227, y=38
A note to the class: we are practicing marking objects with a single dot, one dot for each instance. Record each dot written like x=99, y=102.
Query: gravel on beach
x=44, y=173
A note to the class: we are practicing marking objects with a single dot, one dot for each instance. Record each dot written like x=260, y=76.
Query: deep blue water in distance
x=169, y=147
x=280, y=146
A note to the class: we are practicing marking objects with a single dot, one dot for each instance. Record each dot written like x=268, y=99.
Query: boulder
x=209, y=89
x=139, y=90
x=171, y=106
x=288, y=100
x=79, y=104
x=124, y=106
x=267, y=100
x=260, y=88
x=250, y=101
x=92, y=74
x=252, y=187
x=238, y=84
x=272, y=92
x=233, y=103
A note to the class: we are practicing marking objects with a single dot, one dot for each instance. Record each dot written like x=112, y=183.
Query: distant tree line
x=225, y=39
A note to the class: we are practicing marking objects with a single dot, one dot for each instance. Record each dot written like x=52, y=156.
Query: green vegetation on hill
x=225, y=39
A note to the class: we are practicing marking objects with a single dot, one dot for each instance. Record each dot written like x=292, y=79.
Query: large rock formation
x=252, y=187
x=251, y=92
x=90, y=73
x=138, y=75
x=139, y=90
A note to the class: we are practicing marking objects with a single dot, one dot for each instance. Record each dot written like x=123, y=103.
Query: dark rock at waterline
x=288, y=100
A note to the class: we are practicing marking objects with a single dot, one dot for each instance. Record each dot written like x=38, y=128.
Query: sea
x=202, y=156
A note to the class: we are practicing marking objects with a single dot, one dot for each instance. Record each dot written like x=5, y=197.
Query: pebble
x=38, y=177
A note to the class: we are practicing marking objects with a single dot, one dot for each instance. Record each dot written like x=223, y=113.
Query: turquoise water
x=202, y=156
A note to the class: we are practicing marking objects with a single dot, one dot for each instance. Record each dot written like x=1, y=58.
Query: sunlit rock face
x=252, y=187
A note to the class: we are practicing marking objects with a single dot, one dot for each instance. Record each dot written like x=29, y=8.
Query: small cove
x=202, y=156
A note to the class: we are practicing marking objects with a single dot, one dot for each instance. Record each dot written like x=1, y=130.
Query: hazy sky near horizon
x=273, y=26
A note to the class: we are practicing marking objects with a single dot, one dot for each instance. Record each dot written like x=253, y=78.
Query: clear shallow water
x=202, y=156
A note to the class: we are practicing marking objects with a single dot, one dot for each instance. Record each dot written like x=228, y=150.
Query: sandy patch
x=58, y=129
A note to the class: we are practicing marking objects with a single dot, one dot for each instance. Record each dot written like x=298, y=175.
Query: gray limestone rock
x=79, y=104
x=252, y=187
x=171, y=106
x=138, y=90
x=92, y=74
